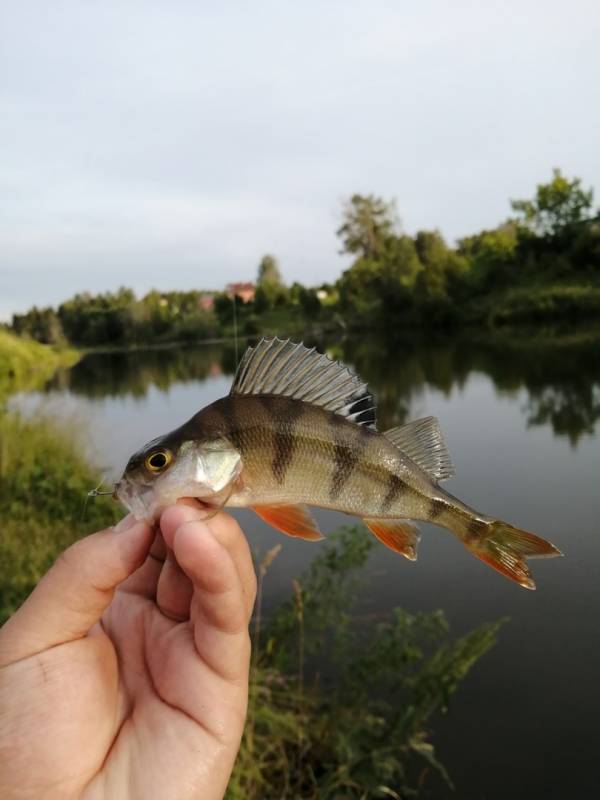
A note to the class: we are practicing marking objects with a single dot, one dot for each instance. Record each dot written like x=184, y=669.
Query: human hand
x=125, y=673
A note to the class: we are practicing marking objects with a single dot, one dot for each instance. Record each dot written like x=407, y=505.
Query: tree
x=400, y=263
x=441, y=265
x=42, y=324
x=269, y=272
x=492, y=256
x=367, y=223
x=556, y=205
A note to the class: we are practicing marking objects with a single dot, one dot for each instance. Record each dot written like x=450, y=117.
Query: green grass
x=25, y=364
x=44, y=479
x=341, y=708
x=535, y=304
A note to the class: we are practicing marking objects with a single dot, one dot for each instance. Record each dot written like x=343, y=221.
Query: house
x=206, y=302
x=245, y=291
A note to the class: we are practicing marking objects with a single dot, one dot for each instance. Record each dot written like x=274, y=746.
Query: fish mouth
x=138, y=500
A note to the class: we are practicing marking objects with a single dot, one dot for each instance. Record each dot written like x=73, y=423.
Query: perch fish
x=299, y=429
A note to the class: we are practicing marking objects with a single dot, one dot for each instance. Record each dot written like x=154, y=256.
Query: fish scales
x=299, y=429
x=297, y=453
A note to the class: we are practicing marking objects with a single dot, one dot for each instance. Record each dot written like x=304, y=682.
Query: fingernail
x=126, y=523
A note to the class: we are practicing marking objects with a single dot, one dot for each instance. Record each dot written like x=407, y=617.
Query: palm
x=152, y=702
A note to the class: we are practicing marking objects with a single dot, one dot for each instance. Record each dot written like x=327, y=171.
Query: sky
x=171, y=144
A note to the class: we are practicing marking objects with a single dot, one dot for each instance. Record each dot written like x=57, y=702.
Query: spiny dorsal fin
x=423, y=443
x=292, y=370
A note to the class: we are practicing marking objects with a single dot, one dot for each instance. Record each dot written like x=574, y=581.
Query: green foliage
x=44, y=480
x=404, y=282
x=395, y=281
x=367, y=223
x=306, y=299
x=118, y=319
x=557, y=205
x=546, y=303
x=43, y=325
x=26, y=364
x=379, y=287
x=358, y=729
x=269, y=272
x=491, y=258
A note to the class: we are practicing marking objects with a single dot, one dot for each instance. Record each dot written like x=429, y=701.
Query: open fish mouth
x=140, y=501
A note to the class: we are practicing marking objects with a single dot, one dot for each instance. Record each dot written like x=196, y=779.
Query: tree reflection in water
x=560, y=373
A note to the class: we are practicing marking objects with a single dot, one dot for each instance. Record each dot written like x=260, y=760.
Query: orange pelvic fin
x=397, y=534
x=291, y=520
x=505, y=548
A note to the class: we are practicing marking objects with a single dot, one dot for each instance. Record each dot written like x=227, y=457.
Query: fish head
x=166, y=469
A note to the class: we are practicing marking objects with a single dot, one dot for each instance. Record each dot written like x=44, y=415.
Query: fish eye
x=158, y=460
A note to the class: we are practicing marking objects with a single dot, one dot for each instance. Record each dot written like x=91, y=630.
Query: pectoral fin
x=397, y=534
x=291, y=520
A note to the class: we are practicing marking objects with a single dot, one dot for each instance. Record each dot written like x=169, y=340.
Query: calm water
x=522, y=421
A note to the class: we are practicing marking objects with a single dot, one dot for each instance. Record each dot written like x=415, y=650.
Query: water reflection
x=561, y=375
x=132, y=373
x=535, y=696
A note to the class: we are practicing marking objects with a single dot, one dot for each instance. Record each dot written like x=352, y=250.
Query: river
x=521, y=417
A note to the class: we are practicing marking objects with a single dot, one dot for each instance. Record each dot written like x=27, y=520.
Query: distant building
x=245, y=291
x=206, y=302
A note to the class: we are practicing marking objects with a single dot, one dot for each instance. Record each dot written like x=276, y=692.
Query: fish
x=299, y=429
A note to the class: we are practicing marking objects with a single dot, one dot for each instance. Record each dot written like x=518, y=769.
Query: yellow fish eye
x=158, y=460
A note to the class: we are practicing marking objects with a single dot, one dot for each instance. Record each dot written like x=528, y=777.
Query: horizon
x=158, y=147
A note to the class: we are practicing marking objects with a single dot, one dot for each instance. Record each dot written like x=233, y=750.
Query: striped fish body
x=298, y=429
x=293, y=452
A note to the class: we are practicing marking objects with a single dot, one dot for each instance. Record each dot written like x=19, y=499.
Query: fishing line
x=235, y=331
x=93, y=493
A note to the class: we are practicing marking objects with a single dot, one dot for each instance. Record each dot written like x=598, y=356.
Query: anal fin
x=397, y=534
x=293, y=520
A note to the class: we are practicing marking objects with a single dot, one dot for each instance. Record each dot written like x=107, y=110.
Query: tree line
x=542, y=262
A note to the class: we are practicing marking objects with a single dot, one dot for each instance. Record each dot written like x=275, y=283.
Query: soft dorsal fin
x=292, y=370
x=422, y=441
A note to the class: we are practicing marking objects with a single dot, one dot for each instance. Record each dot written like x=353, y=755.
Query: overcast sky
x=170, y=144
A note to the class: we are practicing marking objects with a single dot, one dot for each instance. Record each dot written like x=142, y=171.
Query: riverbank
x=25, y=364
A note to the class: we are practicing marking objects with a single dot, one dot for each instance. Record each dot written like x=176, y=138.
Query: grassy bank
x=25, y=364
x=44, y=480
x=338, y=708
x=548, y=304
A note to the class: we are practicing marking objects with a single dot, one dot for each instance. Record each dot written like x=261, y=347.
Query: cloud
x=148, y=143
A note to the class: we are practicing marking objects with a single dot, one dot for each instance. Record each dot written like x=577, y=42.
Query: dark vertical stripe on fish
x=284, y=440
x=396, y=487
x=475, y=528
x=345, y=455
x=436, y=509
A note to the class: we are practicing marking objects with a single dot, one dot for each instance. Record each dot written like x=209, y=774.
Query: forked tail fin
x=505, y=548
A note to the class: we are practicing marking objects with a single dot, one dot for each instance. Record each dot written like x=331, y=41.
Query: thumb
x=72, y=595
